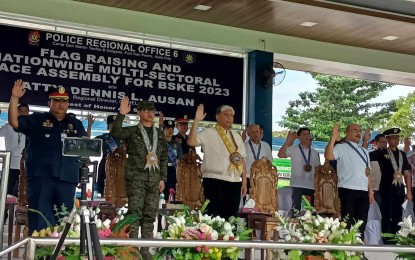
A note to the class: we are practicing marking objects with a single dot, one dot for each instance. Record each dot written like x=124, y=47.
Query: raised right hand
x=291, y=136
x=200, y=114
x=336, y=132
x=18, y=90
x=91, y=119
x=125, y=105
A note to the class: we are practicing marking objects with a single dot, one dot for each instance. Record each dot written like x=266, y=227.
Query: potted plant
x=195, y=225
x=312, y=228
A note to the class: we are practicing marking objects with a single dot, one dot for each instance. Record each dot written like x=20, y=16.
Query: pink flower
x=107, y=232
x=206, y=248
x=198, y=248
x=204, y=228
x=201, y=236
x=101, y=233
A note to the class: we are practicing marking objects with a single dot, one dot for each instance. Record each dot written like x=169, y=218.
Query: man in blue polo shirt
x=51, y=177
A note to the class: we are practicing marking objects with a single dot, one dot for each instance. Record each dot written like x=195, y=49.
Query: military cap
x=110, y=119
x=59, y=93
x=392, y=132
x=168, y=124
x=145, y=105
x=183, y=119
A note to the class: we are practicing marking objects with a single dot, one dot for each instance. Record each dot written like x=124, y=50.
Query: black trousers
x=224, y=197
x=170, y=183
x=297, y=196
x=391, y=209
x=355, y=205
x=43, y=194
x=13, y=182
x=101, y=177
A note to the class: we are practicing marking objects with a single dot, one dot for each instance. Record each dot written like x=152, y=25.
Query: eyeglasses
x=355, y=130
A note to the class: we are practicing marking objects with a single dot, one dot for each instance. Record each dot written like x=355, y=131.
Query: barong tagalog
x=235, y=157
x=152, y=161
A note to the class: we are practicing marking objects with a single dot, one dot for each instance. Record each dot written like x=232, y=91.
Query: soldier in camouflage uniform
x=146, y=168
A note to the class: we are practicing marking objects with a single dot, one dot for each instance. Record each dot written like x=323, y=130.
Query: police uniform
x=174, y=152
x=51, y=177
x=109, y=144
x=392, y=196
x=182, y=140
x=142, y=185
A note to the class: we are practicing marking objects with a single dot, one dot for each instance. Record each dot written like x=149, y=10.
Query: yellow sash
x=235, y=157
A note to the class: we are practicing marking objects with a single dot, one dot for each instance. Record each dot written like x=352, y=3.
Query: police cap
x=183, y=119
x=168, y=124
x=145, y=105
x=392, y=132
x=58, y=93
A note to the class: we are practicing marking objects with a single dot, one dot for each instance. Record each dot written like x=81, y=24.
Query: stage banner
x=99, y=72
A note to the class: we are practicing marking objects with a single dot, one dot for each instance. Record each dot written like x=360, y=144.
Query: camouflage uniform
x=142, y=185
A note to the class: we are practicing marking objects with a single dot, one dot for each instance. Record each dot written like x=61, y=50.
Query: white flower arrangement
x=311, y=228
x=195, y=225
x=405, y=236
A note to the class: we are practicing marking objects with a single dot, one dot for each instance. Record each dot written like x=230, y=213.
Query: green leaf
x=294, y=255
x=43, y=216
x=203, y=208
x=128, y=220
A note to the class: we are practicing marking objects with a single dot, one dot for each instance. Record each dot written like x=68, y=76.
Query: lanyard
x=365, y=160
x=171, y=152
x=18, y=140
x=256, y=156
x=110, y=142
x=307, y=161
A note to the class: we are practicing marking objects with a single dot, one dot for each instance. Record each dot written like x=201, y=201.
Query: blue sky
x=298, y=81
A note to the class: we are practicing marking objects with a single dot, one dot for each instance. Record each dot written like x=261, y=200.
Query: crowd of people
x=383, y=175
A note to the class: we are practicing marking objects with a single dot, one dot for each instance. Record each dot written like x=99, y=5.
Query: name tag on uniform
x=63, y=136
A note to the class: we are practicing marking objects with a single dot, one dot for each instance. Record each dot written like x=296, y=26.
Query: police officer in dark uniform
x=182, y=125
x=175, y=153
x=51, y=177
x=395, y=169
x=109, y=144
